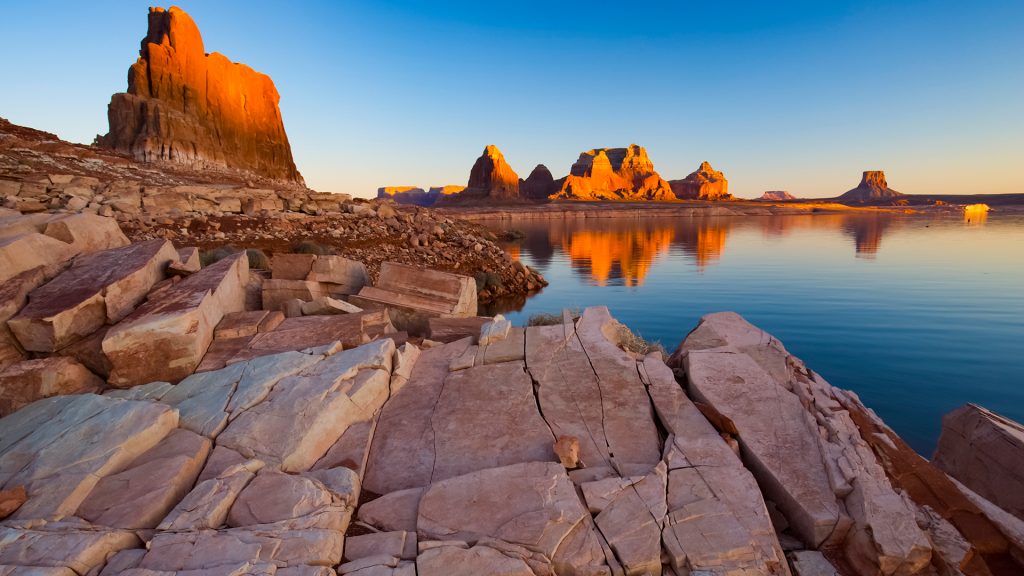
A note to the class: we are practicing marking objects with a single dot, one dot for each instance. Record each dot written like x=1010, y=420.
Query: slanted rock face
x=705, y=183
x=189, y=107
x=492, y=176
x=614, y=174
x=872, y=188
x=539, y=184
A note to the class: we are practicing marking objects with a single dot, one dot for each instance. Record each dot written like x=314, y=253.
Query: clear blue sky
x=798, y=96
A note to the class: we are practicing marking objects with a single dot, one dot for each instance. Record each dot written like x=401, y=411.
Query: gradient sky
x=798, y=96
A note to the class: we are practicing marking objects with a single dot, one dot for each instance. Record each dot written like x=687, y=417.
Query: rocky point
x=614, y=174
x=873, y=189
x=704, y=183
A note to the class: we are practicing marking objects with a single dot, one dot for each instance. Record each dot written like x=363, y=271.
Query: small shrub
x=634, y=342
x=511, y=235
x=487, y=280
x=549, y=319
x=207, y=257
x=257, y=259
x=310, y=247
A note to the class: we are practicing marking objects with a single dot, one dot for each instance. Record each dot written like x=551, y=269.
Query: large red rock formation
x=189, y=107
x=872, y=189
x=705, y=183
x=539, y=184
x=614, y=174
x=492, y=176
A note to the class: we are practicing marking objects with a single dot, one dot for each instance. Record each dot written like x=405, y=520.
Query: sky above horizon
x=798, y=96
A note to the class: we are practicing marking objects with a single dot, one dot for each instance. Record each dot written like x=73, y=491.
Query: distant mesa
x=201, y=110
x=614, y=174
x=705, y=183
x=539, y=184
x=776, y=196
x=416, y=196
x=873, y=189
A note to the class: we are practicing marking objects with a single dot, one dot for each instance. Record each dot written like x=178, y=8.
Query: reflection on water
x=916, y=314
x=618, y=251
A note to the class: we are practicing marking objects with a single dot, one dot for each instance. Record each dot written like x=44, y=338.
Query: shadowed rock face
x=705, y=183
x=189, y=107
x=539, y=184
x=614, y=174
x=872, y=188
x=417, y=196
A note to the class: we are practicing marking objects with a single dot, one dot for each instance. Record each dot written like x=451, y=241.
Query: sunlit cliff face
x=614, y=254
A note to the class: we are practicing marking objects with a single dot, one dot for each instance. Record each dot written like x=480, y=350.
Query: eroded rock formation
x=705, y=183
x=416, y=196
x=872, y=189
x=189, y=107
x=539, y=184
x=777, y=196
x=614, y=174
x=492, y=178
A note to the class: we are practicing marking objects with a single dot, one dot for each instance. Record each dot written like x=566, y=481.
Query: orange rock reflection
x=625, y=253
x=705, y=240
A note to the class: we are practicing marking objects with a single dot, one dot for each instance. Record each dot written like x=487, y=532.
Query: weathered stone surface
x=631, y=523
x=31, y=250
x=614, y=174
x=567, y=448
x=304, y=415
x=456, y=561
x=274, y=496
x=60, y=447
x=705, y=183
x=142, y=495
x=984, y=451
x=873, y=189
x=87, y=232
x=44, y=552
x=241, y=324
x=492, y=178
x=165, y=339
x=328, y=305
x=811, y=563
x=452, y=329
x=421, y=290
x=396, y=510
x=25, y=382
x=344, y=276
x=538, y=185
x=198, y=109
x=99, y=288
x=309, y=332
x=399, y=544
x=803, y=446
x=533, y=505
x=243, y=551
x=188, y=259
x=11, y=499
x=208, y=504
x=291, y=266
x=13, y=297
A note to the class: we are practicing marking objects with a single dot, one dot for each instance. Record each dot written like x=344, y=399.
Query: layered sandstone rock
x=539, y=184
x=416, y=196
x=872, y=189
x=705, y=183
x=491, y=180
x=614, y=174
x=777, y=196
x=985, y=451
x=189, y=107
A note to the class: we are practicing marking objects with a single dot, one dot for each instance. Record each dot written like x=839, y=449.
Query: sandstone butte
x=201, y=110
x=614, y=174
x=777, y=196
x=417, y=196
x=491, y=180
x=705, y=183
x=873, y=189
x=539, y=185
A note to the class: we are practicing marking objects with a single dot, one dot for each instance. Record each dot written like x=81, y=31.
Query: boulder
x=985, y=452
x=452, y=329
x=166, y=338
x=705, y=183
x=61, y=550
x=208, y=504
x=328, y=305
x=417, y=289
x=614, y=174
x=25, y=382
x=494, y=331
x=457, y=561
x=31, y=250
x=87, y=232
x=99, y=288
x=189, y=107
x=13, y=297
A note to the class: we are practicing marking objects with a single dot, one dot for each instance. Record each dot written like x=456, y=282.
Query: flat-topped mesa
x=539, y=184
x=201, y=110
x=614, y=174
x=705, y=183
x=872, y=189
x=776, y=196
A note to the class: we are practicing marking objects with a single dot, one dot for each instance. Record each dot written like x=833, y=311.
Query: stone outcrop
x=614, y=174
x=705, y=183
x=539, y=185
x=777, y=196
x=985, y=452
x=491, y=181
x=25, y=382
x=189, y=107
x=416, y=289
x=873, y=189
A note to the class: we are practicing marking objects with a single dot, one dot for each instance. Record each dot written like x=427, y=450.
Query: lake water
x=917, y=314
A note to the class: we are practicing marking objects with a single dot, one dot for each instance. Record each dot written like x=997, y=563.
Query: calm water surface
x=917, y=314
